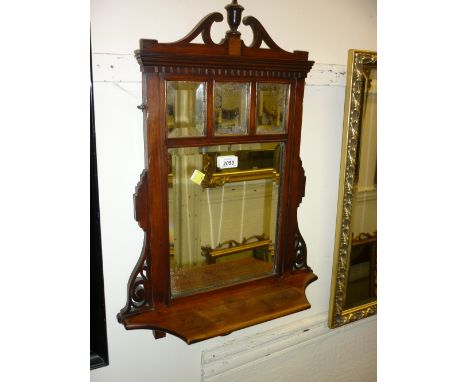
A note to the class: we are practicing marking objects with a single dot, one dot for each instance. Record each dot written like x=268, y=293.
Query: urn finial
x=234, y=14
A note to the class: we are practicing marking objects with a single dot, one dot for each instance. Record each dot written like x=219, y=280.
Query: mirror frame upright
x=338, y=313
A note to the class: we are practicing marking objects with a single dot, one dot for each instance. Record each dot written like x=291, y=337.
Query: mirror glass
x=185, y=108
x=231, y=107
x=272, y=108
x=362, y=276
x=223, y=213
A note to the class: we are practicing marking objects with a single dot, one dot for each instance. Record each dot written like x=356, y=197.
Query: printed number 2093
x=227, y=161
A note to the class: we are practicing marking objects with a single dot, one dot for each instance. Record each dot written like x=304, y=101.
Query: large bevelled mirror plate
x=223, y=214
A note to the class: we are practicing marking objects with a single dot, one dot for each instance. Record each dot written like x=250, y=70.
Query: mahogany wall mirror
x=354, y=279
x=223, y=180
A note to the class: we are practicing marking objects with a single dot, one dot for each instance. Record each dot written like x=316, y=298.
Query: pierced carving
x=300, y=249
x=139, y=286
x=203, y=27
x=259, y=34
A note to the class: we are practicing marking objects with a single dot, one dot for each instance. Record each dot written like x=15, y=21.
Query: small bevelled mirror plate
x=231, y=108
x=185, y=109
x=272, y=108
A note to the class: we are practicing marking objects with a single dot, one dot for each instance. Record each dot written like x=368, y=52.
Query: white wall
x=327, y=29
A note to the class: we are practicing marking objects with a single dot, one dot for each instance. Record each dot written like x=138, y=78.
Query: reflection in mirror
x=185, y=110
x=232, y=108
x=362, y=280
x=354, y=281
x=272, y=107
x=222, y=218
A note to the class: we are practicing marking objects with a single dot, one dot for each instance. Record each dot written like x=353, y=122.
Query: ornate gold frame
x=231, y=246
x=337, y=314
x=215, y=178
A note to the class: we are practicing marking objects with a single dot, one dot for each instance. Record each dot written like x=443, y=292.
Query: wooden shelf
x=221, y=312
x=193, y=280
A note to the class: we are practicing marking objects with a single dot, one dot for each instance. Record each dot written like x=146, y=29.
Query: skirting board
x=242, y=358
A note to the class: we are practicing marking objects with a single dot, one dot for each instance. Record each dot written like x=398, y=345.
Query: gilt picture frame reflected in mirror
x=354, y=280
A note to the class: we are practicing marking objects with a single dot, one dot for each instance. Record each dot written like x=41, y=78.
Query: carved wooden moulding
x=218, y=198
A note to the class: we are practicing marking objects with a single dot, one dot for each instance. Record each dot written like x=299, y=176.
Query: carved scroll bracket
x=259, y=34
x=139, y=285
x=300, y=248
x=203, y=28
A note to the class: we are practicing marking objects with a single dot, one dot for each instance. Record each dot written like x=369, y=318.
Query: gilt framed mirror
x=354, y=279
